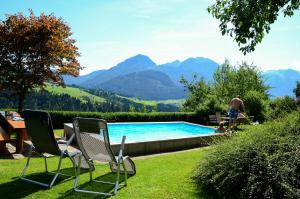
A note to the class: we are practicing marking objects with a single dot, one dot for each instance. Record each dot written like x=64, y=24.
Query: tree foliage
x=248, y=21
x=35, y=50
x=228, y=82
x=255, y=105
x=198, y=92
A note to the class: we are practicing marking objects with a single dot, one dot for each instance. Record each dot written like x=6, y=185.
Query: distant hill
x=100, y=96
x=282, y=82
x=165, y=82
x=203, y=67
x=149, y=84
x=79, y=80
x=131, y=65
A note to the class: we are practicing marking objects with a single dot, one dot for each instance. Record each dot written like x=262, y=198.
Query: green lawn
x=177, y=102
x=163, y=176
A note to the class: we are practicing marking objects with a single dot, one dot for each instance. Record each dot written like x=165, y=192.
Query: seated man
x=236, y=105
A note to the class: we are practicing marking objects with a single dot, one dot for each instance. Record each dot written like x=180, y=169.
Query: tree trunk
x=21, y=102
x=298, y=100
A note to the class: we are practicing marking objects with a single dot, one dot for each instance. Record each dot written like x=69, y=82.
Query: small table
x=19, y=127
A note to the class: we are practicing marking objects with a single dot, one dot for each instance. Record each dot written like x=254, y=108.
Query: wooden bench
x=4, y=137
x=216, y=118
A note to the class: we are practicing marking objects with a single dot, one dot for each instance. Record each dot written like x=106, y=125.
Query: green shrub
x=262, y=162
x=254, y=104
x=60, y=117
x=280, y=106
x=210, y=106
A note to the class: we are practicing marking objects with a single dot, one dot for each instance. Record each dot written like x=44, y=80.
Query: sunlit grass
x=74, y=92
x=164, y=176
x=177, y=102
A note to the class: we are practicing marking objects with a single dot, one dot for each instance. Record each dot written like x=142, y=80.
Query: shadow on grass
x=19, y=188
x=96, y=187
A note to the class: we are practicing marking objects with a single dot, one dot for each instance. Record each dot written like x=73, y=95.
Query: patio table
x=20, y=129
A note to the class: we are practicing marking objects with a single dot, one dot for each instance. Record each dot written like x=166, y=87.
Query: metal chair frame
x=119, y=161
x=36, y=121
x=56, y=173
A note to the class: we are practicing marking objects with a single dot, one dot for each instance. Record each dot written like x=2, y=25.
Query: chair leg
x=77, y=173
x=27, y=163
x=125, y=173
x=25, y=168
x=57, y=171
x=46, y=166
x=36, y=182
x=91, y=175
x=117, y=180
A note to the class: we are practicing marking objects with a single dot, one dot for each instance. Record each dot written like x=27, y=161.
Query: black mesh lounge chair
x=39, y=127
x=3, y=123
x=92, y=139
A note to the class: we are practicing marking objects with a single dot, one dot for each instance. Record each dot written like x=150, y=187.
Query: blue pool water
x=150, y=131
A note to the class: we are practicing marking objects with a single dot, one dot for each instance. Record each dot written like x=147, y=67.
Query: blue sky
x=109, y=31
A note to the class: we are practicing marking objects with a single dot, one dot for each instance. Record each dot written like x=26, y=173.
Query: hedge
x=60, y=117
x=261, y=162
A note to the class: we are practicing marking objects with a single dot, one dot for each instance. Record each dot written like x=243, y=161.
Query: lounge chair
x=93, y=140
x=3, y=122
x=39, y=127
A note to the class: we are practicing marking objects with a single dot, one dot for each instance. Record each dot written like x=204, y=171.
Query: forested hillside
x=78, y=99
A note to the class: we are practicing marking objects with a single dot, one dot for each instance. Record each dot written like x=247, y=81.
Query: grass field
x=177, y=102
x=83, y=95
x=163, y=176
x=74, y=92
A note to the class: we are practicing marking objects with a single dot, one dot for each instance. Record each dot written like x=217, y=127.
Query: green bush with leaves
x=262, y=162
x=210, y=106
x=61, y=117
x=255, y=105
x=280, y=106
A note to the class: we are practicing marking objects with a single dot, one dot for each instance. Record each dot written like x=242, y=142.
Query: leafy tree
x=131, y=108
x=144, y=109
x=230, y=81
x=35, y=50
x=198, y=93
x=255, y=106
x=154, y=108
x=280, y=106
x=248, y=21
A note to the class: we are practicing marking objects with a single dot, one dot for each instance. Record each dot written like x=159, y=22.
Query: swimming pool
x=151, y=131
x=156, y=137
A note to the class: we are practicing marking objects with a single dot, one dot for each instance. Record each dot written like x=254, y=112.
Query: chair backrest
x=39, y=127
x=212, y=119
x=3, y=122
x=218, y=117
x=92, y=139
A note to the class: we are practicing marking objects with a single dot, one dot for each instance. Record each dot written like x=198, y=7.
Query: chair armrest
x=66, y=143
x=120, y=156
x=70, y=139
x=61, y=141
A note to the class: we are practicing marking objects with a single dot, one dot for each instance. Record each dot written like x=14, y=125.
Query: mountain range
x=282, y=82
x=142, y=78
